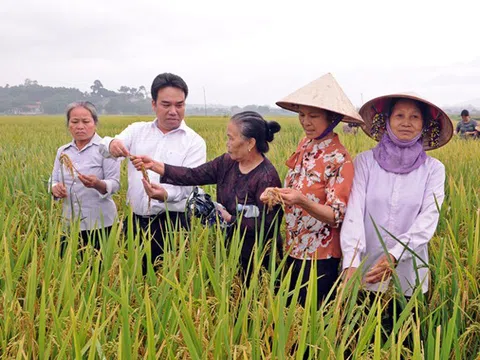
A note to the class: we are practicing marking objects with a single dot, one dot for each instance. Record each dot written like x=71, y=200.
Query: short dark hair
x=253, y=125
x=465, y=113
x=168, y=80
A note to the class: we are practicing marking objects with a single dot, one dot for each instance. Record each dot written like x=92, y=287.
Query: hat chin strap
x=330, y=127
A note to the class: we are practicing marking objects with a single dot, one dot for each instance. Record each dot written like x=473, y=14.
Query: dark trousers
x=390, y=315
x=157, y=226
x=247, y=260
x=94, y=236
x=86, y=237
x=327, y=274
x=247, y=263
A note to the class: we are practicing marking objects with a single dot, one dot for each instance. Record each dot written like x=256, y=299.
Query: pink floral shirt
x=323, y=171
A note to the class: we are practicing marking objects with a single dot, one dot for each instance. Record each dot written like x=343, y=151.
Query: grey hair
x=86, y=105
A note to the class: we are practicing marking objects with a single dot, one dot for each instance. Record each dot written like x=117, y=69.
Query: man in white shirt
x=167, y=139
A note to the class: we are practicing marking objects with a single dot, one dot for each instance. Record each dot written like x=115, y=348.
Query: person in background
x=349, y=128
x=466, y=127
x=87, y=183
x=169, y=139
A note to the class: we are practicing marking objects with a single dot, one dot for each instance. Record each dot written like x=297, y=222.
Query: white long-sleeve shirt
x=181, y=147
x=92, y=208
x=404, y=205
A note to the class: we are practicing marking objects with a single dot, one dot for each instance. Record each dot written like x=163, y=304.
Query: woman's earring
x=249, y=149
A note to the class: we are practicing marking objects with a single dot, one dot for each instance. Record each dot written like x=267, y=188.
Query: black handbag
x=200, y=205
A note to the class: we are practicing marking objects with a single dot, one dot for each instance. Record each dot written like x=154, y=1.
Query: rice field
x=97, y=305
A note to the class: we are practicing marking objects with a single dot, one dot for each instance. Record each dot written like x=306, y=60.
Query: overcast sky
x=246, y=52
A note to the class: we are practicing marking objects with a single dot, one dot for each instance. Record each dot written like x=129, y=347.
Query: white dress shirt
x=95, y=210
x=181, y=147
x=405, y=205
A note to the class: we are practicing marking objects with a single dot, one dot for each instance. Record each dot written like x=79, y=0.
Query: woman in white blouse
x=87, y=187
x=398, y=189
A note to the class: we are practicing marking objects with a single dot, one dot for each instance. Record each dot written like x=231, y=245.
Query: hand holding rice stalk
x=68, y=164
x=272, y=197
x=145, y=177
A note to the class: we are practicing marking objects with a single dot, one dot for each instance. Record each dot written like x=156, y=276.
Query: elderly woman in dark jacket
x=241, y=176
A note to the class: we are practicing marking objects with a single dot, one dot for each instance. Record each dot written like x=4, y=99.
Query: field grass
x=195, y=307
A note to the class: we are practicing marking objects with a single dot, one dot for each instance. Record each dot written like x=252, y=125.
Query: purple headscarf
x=399, y=156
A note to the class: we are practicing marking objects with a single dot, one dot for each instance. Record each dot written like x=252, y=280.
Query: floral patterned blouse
x=323, y=171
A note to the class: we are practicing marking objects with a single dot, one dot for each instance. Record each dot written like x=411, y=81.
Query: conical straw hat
x=323, y=93
x=438, y=132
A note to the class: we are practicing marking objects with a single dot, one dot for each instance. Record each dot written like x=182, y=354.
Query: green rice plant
x=97, y=305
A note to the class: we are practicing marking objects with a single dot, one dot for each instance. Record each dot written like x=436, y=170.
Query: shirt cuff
x=399, y=252
x=351, y=260
x=104, y=147
x=172, y=193
x=165, y=174
x=50, y=187
x=338, y=213
x=108, y=185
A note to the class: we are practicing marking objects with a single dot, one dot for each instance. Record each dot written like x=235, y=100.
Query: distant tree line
x=33, y=98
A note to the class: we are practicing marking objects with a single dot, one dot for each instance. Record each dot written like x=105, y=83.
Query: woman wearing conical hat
x=397, y=190
x=317, y=185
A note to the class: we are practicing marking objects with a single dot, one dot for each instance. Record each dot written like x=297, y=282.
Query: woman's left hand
x=291, y=196
x=90, y=181
x=382, y=270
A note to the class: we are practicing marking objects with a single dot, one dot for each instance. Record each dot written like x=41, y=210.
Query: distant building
x=31, y=109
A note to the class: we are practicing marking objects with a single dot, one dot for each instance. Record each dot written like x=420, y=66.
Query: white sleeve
x=352, y=234
x=196, y=156
x=425, y=224
x=111, y=172
x=126, y=136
